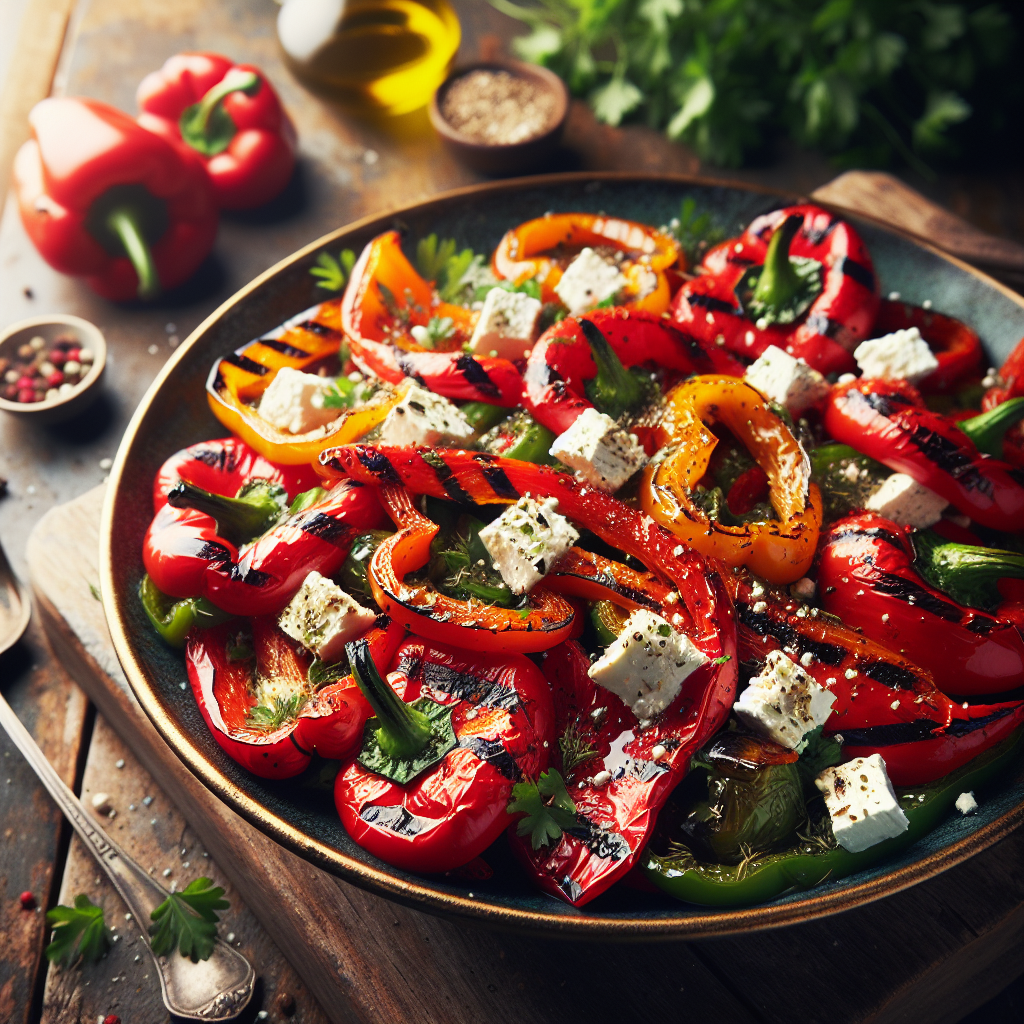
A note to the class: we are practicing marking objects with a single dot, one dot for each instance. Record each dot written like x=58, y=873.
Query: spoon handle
x=215, y=989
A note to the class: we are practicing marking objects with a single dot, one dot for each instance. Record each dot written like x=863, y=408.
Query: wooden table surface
x=349, y=167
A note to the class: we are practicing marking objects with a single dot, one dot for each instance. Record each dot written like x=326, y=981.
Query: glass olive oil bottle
x=384, y=55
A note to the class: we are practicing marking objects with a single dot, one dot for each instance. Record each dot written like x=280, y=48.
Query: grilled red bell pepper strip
x=867, y=575
x=1011, y=385
x=276, y=742
x=384, y=299
x=104, y=199
x=568, y=359
x=438, y=816
x=887, y=421
x=956, y=347
x=541, y=249
x=616, y=816
x=747, y=294
x=885, y=703
x=544, y=621
x=256, y=573
x=231, y=116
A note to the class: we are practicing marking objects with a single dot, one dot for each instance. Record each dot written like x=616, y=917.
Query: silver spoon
x=15, y=606
x=212, y=990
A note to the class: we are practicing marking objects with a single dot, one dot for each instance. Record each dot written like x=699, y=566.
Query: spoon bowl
x=15, y=605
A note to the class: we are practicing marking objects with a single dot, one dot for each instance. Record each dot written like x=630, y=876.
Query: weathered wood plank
x=157, y=837
x=32, y=832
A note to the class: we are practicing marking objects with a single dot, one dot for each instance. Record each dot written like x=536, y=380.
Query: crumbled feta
x=903, y=354
x=422, y=417
x=648, y=664
x=526, y=540
x=785, y=380
x=507, y=324
x=588, y=281
x=966, y=804
x=804, y=588
x=294, y=400
x=324, y=618
x=597, y=448
x=783, y=702
x=862, y=803
x=906, y=502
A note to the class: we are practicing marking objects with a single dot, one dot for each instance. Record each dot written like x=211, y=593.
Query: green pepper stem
x=403, y=731
x=968, y=574
x=614, y=390
x=779, y=282
x=238, y=519
x=987, y=429
x=247, y=81
x=123, y=222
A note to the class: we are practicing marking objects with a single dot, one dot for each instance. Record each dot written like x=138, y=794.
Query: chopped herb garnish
x=278, y=713
x=575, y=747
x=548, y=808
x=333, y=273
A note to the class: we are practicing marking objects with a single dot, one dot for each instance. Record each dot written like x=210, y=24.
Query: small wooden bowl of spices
x=50, y=367
x=501, y=117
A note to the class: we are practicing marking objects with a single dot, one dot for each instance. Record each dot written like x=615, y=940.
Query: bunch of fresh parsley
x=871, y=81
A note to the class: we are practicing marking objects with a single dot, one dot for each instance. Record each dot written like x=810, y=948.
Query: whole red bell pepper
x=868, y=576
x=384, y=299
x=231, y=116
x=546, y=620
x=237, y=544
x=453, y=732
x=799, y=278
x=582, y=358
x=276, y=740
x=885, y=703
x=956, y=347
x=104, y=199
x=888, y=421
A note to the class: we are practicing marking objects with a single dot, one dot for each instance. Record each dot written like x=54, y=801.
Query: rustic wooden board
x=932, y=953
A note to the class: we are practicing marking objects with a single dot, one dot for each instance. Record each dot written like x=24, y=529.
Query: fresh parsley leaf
x=432, y=256
x=547, y=806
x=817, y=752
x=78, y=931
x=187, y=921
x=333, y=273
x=721, y=660
x=281, y=711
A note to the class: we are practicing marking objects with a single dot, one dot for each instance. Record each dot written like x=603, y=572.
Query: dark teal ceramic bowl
x=300, y=813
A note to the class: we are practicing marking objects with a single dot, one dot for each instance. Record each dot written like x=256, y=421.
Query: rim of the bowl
x=535, y=71
x=68, y=320
x=420, y=894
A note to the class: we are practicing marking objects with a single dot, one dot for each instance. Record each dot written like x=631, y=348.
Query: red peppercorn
x=28, y=901
x=111, y=1019
x=75, y=354
x=55, y=379
x=58, y=357
x=26, y=395
x=25, y=381
x=11, y=392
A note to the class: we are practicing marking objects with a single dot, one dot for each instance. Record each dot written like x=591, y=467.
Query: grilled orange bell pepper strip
x=546, y=620
x=541, y=249
x=780, y=550
x=385, y=299
x=237, y=382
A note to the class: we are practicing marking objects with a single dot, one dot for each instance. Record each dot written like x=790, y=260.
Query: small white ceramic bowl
x=50, y=328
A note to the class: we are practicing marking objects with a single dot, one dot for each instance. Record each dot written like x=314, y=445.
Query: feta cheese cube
x=904, y=354
x=785, y=380
x=906, y=502
x=588, y=281
x=597, y=448
x=324, y=618
x=507, y=325
x=526, y=540
x=783, y=702
x=862, y=803
x=422, y=417
x=966, y=804
x=293, y=401
x=648, y=664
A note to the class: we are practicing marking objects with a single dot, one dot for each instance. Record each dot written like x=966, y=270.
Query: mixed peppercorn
x=40, y=371
x=633, y=568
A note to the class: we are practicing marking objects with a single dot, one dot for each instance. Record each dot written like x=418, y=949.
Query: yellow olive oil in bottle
x=384, y=55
